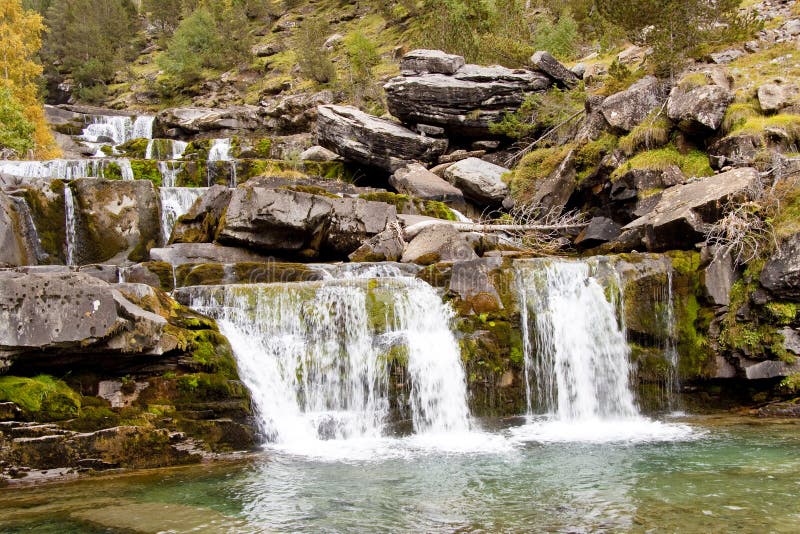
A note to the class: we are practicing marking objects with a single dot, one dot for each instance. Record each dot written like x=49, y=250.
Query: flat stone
x=417, y=181
x=480, y=180
x=436, y=243
x=431, y=62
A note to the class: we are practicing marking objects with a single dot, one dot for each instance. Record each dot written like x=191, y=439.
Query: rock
x=74, y=313
x=633, y=55
x=600, y=230
x=774, y=97
x=268, y=49
x=552, y=193
x=192, y=120
x=471, y=282
x=736, y=150
x=480, y=180
x=628, y=108
x=718, y=278
x=684, y=212
x=9, y=411
x=791, y=340
x=437, y=243
x=770, y=369
x=180, y=253
x=546, y=63
x=417, y=181
x=465, y=103
x=431, y=131
x=458, y=155
x=294, y=114
x=369, y=140
x=319, y=153
x=431, y=62
x=199, y=224
x=276, y=220
x=106, y=273
x=486, y=145
x=726, y=56
x=781, y=273
x=386, y=246
x=18, y=239
x=353, y=221
x=699, y=110
x=116, y=220
x=636, y=181
x=333, y=40
x=579, y=69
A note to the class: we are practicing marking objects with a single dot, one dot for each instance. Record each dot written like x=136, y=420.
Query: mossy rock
x=41, y=398
x=135, y=148
x=408, y=205
x=146, y=170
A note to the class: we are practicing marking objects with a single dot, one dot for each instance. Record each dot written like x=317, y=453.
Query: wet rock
x=386, y=246
x=18, y=245
x=199, y=224
x=431, y=62
x=718, y=278
x=437, y=243
x=781, y=273
x=684, y=212
x=417, y=181
x=180, y=253
x=471, y=282
x=480, y=180
x=369, y=140
x=600, y=230
x=699, y=110
x=627, y=109
x=353, y=221
x=546, y=63
x=464, y=103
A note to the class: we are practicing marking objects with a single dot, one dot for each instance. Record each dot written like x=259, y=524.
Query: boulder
x=684, y=212
x=276, y=220
x=736, y=150
x=386, y=246
x=464, y=103
x=546, y=63
x=481, y=181
x=552, y=193
x=353, y=221
x=199, y=224
x=699, y=110
x=726, y=56
x=770, y=369
x=635, y=181
x=193, y=120
x=718, y=277
x=471, y=281
x=430, y=62
x=180, y=253
x=294, y=114
x=417, y=181
x=600, y=230
x=437, y=243
x=368, y=140
x=774, y=97
x=74, y=313
x=116, y=221
x=781, y=273
x=319, y=153
x=628, y=108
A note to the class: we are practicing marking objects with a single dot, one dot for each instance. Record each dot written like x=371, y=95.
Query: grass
x=759, y=124
x=534, y=168
x=653, y=132
x=42, y=397
x=693, y=163
x=739, y=113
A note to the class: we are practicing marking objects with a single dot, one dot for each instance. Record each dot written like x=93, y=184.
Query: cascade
x=69, y=225
x=169, y=172
x=176, y=201
x=143, y=127
x=314, y=354
x=119, y=129
x=66, y=169
x=155, y=150
x=221, y=151
x=125, y=169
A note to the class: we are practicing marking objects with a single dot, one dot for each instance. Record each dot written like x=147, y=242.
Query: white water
x=169, y=172
x=176, y=149
x=221, y=151
x=118, y=128
x=69, y=225
x=577, y=364
x=176, y=201
x=314, y=359
x=66, y=169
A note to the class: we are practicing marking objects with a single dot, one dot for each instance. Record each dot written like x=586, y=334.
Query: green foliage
x=43, y=397
x=589, y=155
x=653, y=132
x=791, y=383
x=619, y=78
x=693, y=163
x=560, y=38
x=540, y=112
x=165, y=15
x=16, y=131
x=312, y=58
x=362, y=56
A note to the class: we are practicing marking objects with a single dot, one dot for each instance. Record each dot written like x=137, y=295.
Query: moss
x=433, y=208
x=135, y=148
x=787, y=221
x=146, y=170
x=534, y=168
x=738, y=114
x=693, y=81
x=397, y=200
x=693, y=163
x=42, y=398
x=310, y=189
x=589, y=155
x=651, y=133
x=197, y=387
x=48, y=217
x=782, y=313
x=265, y=273
x=112, y=171
x=204, y=274
x=787, y=123
x=408, y=205
x=263, y=148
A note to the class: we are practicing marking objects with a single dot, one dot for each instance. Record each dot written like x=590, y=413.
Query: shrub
x=560, y=38
x=16, y=131
x=314, y=61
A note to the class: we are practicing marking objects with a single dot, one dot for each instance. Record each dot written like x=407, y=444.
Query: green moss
x=310, y=189
x=787, y=220
x=136, y=148
x=198, y=387
x=738, y=113
x=791, y=383
x=533, y=168
x=439, y=210
x=48, y=217
x=790, y=124
x=263, y=148
x=204, y=274
x=589, y=155
x=693, y=163
x=693, y=81
x=146, y=170
x=651, y=133
x=782, y=313
x=42, y=398
x=112, y=171
x=408, y=205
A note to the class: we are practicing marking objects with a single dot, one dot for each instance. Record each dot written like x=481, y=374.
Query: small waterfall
x=66, y=169
x=176, y=201
x=314, y=355
x=69, y=225
x=143, y=127
x=169, y=172
x=119, y=129
x=577, y=354
x=155, y=149
x=221, y=151
x=148, y=152
x=178, y=148
x=125, y=169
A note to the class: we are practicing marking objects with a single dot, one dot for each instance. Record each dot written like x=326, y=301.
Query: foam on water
x=631, y=430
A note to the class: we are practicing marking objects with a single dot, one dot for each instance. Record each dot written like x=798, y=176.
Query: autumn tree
x=20, y=40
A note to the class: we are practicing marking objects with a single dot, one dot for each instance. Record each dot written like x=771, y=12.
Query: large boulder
x=369, y=140
x=684, y=213
x=353, y=221
x=627, y=109
x=481, y=181
x=465, y=102
x=178, y=122
x=199, y=224
x=386, y=246
x=437, y=243
x=74, y=313
x=423, y=61
x=116, y=221
x=291, y=114
x=419, y=182
x=546, y=63
x=699, y=110
x=736, y=150
x=774, y=97
x=781, y=273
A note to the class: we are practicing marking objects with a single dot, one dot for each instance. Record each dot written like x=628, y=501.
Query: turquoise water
x=724, y=476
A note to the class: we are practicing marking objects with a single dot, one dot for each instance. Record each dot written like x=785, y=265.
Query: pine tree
x=20, y=40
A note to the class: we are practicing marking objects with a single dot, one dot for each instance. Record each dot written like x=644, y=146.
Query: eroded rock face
x=17, y=239
x=684, y=212
x=354, y=220
x=480, y=180
x=699, y=110
x=781, y=274
x=199, y=224
x=192, y=120
x=69, y=312
x=627, y=109
x=554, y=191
x=180, y=253
x=465, y=102
x=368, y=140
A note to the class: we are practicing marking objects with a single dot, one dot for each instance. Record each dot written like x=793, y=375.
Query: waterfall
x=155, y=146
x=66, y=169
x=178, y=148
x=69, y=225
x=169, y=172
x=221, y=151
x=143, y=127
x=315, y=355
x=125, y=169
x=176, y=201
x=119, y=129
x=577, y=354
